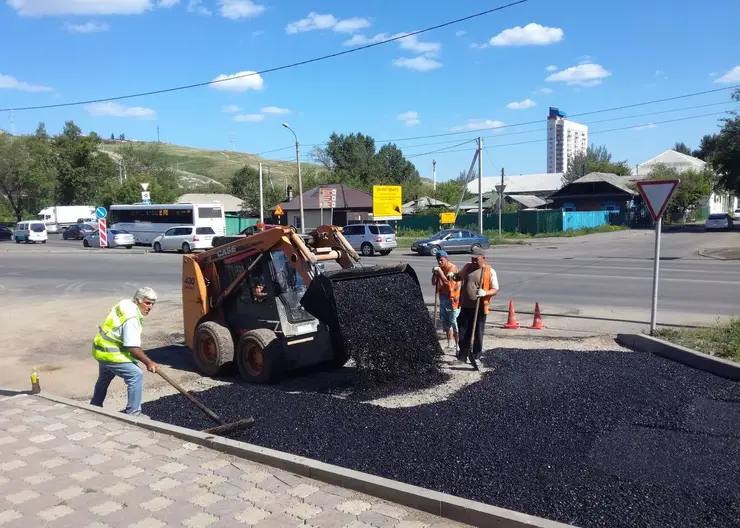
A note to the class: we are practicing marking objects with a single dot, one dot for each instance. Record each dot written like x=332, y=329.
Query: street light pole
x=300, y=179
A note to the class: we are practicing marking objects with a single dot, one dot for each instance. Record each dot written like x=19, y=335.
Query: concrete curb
x=692, y=358
x=703, y=253
x=440, y=504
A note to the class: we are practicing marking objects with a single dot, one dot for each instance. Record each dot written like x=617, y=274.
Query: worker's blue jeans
x=132, y=376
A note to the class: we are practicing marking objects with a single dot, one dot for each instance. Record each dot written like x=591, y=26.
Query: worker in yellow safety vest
x=117, y=347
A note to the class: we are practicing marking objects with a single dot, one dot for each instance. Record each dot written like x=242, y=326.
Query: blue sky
x=578, y=55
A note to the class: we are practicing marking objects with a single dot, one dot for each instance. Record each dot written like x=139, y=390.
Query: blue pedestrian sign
x=100, y=212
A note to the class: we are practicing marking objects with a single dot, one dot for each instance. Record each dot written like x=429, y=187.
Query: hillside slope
x=201, y=166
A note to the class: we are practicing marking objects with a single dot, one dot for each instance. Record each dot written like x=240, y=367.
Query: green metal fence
x=529, y=222
x=235, y=224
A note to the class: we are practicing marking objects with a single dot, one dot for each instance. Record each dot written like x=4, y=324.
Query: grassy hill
x=200, y=166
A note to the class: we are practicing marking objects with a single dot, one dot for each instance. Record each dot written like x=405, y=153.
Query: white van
x=30, y=231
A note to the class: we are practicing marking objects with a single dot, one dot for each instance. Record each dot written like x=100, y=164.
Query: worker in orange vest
x=479, y=285
x=449, y=298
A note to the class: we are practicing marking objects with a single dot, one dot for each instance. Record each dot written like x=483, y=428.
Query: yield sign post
x=656, y=195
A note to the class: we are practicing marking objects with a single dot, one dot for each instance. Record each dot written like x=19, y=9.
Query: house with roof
x=526, y=191
x=352, y=206
x=596, y=191
x=422, y=203
x=717, y=202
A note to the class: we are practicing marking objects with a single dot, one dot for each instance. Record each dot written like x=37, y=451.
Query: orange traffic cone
x=537, y=324
x=512, y=323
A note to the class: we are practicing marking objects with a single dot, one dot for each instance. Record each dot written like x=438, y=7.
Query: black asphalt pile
x=382, y=322
x=605, y=439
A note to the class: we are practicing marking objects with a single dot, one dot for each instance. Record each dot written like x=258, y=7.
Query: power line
x=277, y=68
x=613, y=109
x=442, y=149
x=446, y=151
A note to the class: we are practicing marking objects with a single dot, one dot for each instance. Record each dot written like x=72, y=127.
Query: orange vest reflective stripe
x=485, y=283
x=450, y=289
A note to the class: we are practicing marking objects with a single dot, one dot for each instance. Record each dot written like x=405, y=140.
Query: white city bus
x=147, y=222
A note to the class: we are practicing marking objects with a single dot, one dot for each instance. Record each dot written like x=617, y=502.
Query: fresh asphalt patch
x=587, y=438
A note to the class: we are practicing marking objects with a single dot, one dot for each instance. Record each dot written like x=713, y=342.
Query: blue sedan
x=452, y=241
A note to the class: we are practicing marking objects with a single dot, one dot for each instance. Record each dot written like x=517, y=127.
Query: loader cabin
x=241, y=305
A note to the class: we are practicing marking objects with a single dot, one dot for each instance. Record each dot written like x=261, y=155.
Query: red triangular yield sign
x=657, y=194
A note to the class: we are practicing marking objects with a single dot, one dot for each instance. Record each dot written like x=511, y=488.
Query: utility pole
x=300, y=179
x=12, y=123
x=480, y=185
x=262, y=200
x=158, y=134
x=434, y=172
x=501, y=202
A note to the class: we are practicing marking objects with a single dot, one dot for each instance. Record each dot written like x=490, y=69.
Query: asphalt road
x=602, y=276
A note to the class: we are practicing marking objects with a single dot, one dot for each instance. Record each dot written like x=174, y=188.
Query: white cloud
x=362, y=40
x=582, y=75
x=196, y=6
x=731, y=76
x=258, y=33
x=9, y=82
x=417, y=63
x=315, y=21
x=521, y=105
x=551, y=68
x=645, y=127
x=543, y=90
x=412, y=43
x=275, y=110
x=230, y=109
x=79, y=7
x=409, y=118
x=530, y=35
x=478, y=124
x=248, y=80
x=111, y=109
x=236, y=9
x=249, y=118
x=461, y=33
x=89, y=27
x=659, y=73
x=168, y=3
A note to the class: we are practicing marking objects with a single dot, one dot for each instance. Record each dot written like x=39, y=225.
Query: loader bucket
x=377, y=315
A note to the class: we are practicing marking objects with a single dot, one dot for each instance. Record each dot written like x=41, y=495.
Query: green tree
x=724, y=151
x=449, y=192
x=244, y=184
x=595, y=159
x=24, y=180
x=681, y=147
x=82, y=169
x=694, y=188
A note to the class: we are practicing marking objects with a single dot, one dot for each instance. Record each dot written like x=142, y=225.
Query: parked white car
x=736, y=215
x=185, y=239
x=116, y=238
x=30, y=231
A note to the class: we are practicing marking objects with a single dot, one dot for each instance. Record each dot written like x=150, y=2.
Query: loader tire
x=213, y=348
x=259, y=356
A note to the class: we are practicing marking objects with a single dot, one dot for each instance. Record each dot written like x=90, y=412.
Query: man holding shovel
x=449, y=297
x=479, y=285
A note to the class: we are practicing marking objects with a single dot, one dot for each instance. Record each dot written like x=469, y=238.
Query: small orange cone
x=512, y=323
x=537, y=324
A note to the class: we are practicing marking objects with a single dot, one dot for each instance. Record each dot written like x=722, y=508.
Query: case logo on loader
x=189, y=282
x=225, y=252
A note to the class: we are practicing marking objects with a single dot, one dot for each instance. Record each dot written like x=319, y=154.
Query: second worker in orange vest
x=479, y=284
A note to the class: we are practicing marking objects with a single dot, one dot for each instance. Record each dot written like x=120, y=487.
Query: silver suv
x=369, y=238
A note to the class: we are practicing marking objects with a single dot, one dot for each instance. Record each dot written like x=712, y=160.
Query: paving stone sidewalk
x=62, y=467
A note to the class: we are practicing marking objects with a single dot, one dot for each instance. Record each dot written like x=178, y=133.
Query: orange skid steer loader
x=264, y=304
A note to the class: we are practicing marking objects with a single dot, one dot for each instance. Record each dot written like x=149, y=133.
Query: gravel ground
x=601, y=438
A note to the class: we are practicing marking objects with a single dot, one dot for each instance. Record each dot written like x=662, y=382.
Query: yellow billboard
x=387, y=202
x=446, y=218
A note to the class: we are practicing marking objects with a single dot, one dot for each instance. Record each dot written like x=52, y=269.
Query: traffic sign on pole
x=102, y=232
x=100, y=212
x=656, y=195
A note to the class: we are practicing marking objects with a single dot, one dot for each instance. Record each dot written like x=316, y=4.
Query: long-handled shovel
x=223, y=428
x=472, y=337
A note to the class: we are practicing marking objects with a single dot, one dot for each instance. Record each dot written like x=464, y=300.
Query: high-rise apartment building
x=565, y=139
